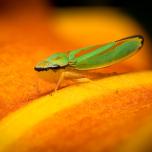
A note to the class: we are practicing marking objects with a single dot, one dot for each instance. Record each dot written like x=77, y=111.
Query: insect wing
x=104, y=55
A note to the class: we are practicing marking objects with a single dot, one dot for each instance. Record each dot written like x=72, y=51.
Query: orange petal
x=86, y=117
x=95, y=116
x=32, y=41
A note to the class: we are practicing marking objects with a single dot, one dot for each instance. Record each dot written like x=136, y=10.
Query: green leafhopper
x=70, y=64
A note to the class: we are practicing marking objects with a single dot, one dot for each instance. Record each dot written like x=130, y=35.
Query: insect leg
x=82, y=80
x=69, y=75
x=61, y=78
x=79, y=78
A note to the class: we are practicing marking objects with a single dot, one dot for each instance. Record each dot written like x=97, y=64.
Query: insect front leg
x=61, y=78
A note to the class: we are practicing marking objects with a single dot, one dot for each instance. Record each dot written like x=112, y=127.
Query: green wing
x=99, y=56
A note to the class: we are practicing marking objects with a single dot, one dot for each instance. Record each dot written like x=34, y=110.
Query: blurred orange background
x=79, y=117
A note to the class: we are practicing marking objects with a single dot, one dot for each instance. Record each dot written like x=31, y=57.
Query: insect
x=69, y=65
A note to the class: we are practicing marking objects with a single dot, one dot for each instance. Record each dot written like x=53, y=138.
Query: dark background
x=141, y=10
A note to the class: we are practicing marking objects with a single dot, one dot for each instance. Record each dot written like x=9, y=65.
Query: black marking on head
x=53, y=67
x=41, y=69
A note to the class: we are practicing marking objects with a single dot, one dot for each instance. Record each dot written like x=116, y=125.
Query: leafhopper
x=69, y=65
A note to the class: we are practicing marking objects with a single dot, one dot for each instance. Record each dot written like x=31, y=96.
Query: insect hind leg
x=80, y=78
x=85, y=80
x=75, y=77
